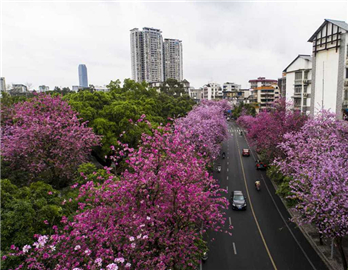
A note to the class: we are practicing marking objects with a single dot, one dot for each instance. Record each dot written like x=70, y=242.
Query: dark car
x=237, y=200
x=260, y=165
x=245, y=152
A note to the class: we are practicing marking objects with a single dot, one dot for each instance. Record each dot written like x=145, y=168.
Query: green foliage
x=108, y=113
x=247, y=109
x=24, y=210
x=89, y=171
x=282, y=182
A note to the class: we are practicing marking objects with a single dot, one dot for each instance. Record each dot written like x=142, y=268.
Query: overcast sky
x=44, y=42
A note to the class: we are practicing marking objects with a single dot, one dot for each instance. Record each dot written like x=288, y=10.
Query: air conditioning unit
x=306, y=95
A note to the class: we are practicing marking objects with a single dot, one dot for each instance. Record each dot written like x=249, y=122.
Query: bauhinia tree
x=317, y=162
x=266, y=130
x=152, y=218
x=44, y=137
x=205, y=126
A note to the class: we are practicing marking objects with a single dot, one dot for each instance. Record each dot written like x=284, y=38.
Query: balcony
x=345, y=104
x=307, y=81
x=346, y=82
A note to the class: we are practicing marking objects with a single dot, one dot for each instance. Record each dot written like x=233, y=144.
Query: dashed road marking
x=234, y=249
x=229, y=219
x=227, y=188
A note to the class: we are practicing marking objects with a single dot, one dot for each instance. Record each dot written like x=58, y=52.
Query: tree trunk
x=338, y=241
x=321, y=239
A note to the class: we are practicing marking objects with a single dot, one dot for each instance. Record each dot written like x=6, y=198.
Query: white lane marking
x=234, y=249
x=228, y=158
x=229, y=219
x=227, y=188
x=227, y=169
x=227, y=177
x=286, y=224
x=227, y=162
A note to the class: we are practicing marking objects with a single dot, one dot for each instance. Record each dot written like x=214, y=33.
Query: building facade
x=264, y=92
x=330, y=68
x=43, y=88
x=2, y=84
x=230, y=90
x=83, y=79
x=196, y=94
x=298, y=76
x=212, y=91
x=19, y=88
x=147, y=55
x=173, y=64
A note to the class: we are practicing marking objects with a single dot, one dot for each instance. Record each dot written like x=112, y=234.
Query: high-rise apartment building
x=147, y=54
x=330, y=68
x=152, y=59
x=2, y=84
x=83, y=80
x=230, y=90
x=173, y=69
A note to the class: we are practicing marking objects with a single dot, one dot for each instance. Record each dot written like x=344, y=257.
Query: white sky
x=43, y=42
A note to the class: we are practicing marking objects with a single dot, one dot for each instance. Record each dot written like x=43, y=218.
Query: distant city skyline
x=223, y=42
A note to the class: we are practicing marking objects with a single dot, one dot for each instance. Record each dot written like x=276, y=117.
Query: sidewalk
x=312, y=235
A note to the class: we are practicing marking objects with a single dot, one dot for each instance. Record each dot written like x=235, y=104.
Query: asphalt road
x=262, y=236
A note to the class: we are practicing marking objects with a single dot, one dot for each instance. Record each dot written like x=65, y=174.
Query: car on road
x=260, y=165
x=237, y=200
x=245, y=152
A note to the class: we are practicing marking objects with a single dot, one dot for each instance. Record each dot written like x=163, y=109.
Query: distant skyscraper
x=83, y=80
x=173, y=66
x=2, y=84
x=147, y=54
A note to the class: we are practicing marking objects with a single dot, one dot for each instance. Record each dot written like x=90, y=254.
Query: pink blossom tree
x=150, y=219
x=205, y=126
x=44, y=136
x=317, y=162
x=266, y=130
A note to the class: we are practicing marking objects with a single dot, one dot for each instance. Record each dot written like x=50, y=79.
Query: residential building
x=2, y=84
x=229, y=90
x=101, y=88
x=186, y=85
x=196, y=94
x=147, y=54
x=282, y=85
x=330, y=68
x=43, y=88
x=76, y=88
x=212, y=91
x=298, y=76
x=264, y=92
x=19, y=88
x=173, y=64
x=83, y=80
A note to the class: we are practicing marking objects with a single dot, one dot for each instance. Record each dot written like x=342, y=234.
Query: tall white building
x=2, y=84
x=173, y=64
x=230, y=90
x=298, y=75
x=212, y=91
x=330, y=68
x=147, y=54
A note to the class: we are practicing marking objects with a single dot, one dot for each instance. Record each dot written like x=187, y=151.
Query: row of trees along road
x=149, y=215
x=310, y=164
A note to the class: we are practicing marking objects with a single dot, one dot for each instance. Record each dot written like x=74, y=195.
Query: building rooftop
x=304, y=56
x=340, y=24
x=263, y=79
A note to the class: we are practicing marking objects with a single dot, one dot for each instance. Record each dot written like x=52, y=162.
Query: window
x=298, y=89
x=346, y=73
x=298, y=75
